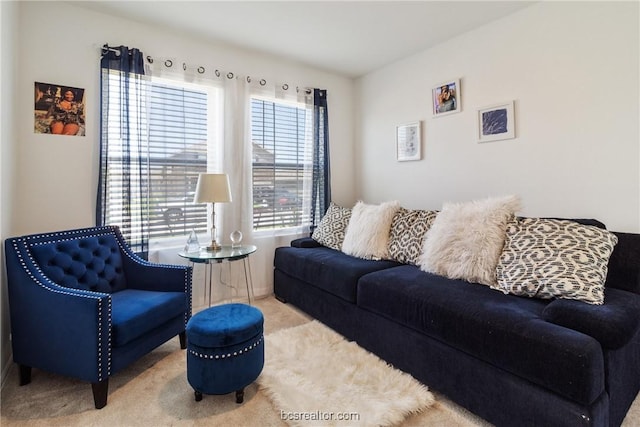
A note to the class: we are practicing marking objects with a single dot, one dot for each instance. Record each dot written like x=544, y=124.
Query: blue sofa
x=514, y=361
x=84, y=305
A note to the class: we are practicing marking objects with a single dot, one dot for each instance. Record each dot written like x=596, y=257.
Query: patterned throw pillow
x=330, y=231
x=407, y=234
x=549, y=258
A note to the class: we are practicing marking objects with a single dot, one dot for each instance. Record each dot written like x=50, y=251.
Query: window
x=282, y=157
x=178, y=135
x=168, y=134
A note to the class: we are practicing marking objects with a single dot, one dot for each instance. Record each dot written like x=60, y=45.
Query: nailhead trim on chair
x=227, y=355
x=81, y=294
x=46, y=242
x=72, y=235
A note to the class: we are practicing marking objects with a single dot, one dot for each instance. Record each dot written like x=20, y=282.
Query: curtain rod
x=201, y=70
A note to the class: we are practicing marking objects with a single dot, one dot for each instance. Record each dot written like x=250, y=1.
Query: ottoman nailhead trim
x=227, y=355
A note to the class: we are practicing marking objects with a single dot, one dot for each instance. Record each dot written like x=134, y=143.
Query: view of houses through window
x=170, y=148
x=281, y=163
x=178, y=136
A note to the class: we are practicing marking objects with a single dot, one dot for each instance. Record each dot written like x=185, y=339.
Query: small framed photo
x=59, y=109
x=408, y=142
x=445, y=98
x=496, y=122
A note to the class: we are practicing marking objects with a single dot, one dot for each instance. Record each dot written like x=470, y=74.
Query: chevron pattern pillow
x=330, y=231
x=549, y=258
x=407, y=234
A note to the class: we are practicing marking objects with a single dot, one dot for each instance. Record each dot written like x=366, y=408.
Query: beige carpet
x=154, y=392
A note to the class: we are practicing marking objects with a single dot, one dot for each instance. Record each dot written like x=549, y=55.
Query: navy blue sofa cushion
x=504, y=330
x=613, y=324
x=624, y=268
x=328, y=269
x=135, y=312
x=305, y=242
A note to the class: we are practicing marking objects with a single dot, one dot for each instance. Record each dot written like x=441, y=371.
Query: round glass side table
x=226, y=253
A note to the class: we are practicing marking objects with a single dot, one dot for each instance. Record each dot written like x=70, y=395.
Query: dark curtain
x=122, y=145
x=321, y=187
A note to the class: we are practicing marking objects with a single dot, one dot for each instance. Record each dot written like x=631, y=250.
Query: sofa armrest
x=148, y=276
x=59, y=329
x=613, y=324
x=624, y=267
x=305, y=242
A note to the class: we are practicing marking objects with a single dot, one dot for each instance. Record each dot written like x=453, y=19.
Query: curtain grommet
x=168, y=63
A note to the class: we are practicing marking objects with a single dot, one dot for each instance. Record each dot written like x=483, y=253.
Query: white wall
x=8, y=49
x=54, y=178
x=572, y=69
x=58, y=174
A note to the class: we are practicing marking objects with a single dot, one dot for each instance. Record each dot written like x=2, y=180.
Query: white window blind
x=281, y=163
x=177, y=153
x=172, y=124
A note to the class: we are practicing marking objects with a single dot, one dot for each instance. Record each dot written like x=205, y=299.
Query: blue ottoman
x=225, y=349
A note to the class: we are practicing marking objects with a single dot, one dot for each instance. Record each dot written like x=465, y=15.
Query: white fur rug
x=314, y=376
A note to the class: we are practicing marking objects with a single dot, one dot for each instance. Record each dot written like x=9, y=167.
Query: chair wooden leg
x=198, y=395
x=240, y=396
x=25, y=374
x=100, y=391
x=183, y=340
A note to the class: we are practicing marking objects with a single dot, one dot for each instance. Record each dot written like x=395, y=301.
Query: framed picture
x=408, y=142
x=496, y=122
x=445, y=98
x=59, y=109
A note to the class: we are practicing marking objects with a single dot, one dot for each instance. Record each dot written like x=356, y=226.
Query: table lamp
x=213, y=188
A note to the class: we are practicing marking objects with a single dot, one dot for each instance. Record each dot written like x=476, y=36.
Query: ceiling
x=351, y=38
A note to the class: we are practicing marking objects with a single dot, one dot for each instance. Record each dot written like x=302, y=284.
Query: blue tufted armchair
x=84, y=305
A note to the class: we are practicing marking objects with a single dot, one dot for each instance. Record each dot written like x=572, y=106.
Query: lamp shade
x=212, y=188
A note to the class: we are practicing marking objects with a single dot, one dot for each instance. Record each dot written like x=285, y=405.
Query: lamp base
x=213, y=247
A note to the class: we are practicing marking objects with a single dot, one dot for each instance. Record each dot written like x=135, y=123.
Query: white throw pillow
x=367, y=234
x=466, y=239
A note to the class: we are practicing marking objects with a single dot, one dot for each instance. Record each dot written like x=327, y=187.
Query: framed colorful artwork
x=446, y=98
x=496, y=122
